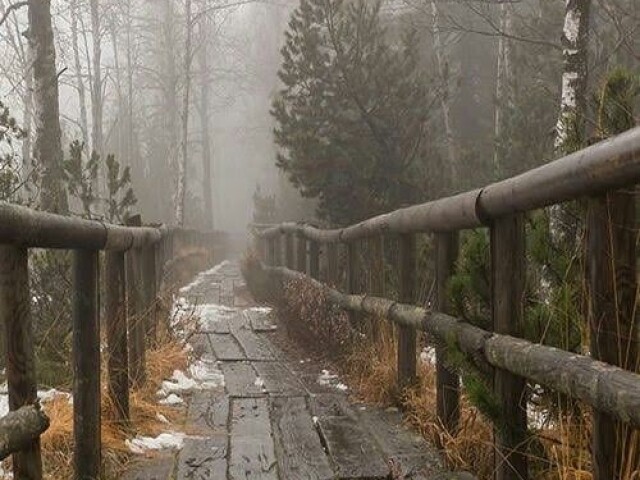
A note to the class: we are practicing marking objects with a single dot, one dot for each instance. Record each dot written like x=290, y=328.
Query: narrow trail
x=277, y=416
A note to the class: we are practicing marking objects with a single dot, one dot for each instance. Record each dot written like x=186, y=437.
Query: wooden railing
x=603, y=380
x=134, y=259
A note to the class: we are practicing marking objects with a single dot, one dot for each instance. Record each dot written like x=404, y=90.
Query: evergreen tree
x=352, y=114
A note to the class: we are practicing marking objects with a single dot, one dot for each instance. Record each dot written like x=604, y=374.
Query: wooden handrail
x=608, y=165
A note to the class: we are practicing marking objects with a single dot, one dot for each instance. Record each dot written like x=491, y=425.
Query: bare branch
x=12, y=8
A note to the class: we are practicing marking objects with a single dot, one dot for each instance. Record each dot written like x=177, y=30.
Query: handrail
x=607, y=165
x=26, y=227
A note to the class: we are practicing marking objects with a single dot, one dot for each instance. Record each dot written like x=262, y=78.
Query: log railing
x=612, y=388
x=134, y=259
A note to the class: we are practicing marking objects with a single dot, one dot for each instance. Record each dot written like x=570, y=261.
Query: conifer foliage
x=351, y=117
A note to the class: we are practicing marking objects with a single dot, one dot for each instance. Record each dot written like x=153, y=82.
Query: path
x=273, y=420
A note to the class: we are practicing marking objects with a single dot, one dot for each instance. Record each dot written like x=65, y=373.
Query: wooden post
x=271, y=252
x=15, y=315
x=301, y=254
x=150, y=291
x=135, y=308
x=314, y=260
x=407, y=335
x=332, y=263
x=447, y=380
x=86, y=362
x=288, y=242
x=611, y=267
x=277, y=249
x=376, y=248
x=508, y=284
x=116, y=322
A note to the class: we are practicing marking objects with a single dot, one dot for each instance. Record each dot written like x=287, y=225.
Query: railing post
x=86, y=363
x=150, y=291
x=376, y=249
x=508, y=283
x=135, y=307
x=314, y=259
x=301, y=254
x=611, y=267
x=15, y=314
x=332, y=263
x=447, y=380
x=288, y=242
x=407, y=335
x=116, y=322
x=277, y=249
x=271, y=251
x=352, y=267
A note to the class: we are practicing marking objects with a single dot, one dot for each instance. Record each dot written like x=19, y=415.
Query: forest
x=222, y=114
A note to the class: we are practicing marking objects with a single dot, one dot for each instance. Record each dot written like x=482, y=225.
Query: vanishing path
x=273, y=420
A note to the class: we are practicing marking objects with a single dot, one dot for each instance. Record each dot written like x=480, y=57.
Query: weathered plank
x=261, y=321
x=331, y=405
x=200, y=344
x=225, y=347
x=159, y=468
x=255, y=347
x=252, y=453
x=298, y=447
x=354, y=454
x=240, y=379
x=208, y=411
x=203, y=458
x=278, y=379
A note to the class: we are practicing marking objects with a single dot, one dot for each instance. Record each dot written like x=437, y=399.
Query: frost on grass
x=328, y=379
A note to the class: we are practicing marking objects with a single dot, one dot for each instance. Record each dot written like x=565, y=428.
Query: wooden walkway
x=273, y=420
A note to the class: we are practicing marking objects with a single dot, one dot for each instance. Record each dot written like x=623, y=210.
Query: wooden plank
x=255, y=347
x=225, y=347
x=278, y=379
x=331, y=405
x=159, y=468
x=407, y=335
x=86, y=363
x=203, y=458
x=252, y=451
x=261, y=321
x=200, y=344
x=352, y=451
x=508, y=273
x=208, y=412
x=240, y=379
x=15, y=315
x=299, y=451
x=447, y=380
x=386, y=426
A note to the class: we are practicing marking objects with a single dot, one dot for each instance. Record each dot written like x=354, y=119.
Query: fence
x=134, y=259
x=603, y=380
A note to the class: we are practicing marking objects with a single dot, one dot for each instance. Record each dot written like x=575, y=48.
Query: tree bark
x=504, y=89
x=204, y=123
x=48, y=146
x=80, y=86
x=182, y=164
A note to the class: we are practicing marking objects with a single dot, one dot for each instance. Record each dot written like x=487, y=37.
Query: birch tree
x=47, y=145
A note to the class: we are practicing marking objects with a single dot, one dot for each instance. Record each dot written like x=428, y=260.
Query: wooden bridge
x=135, y=256
x=606, y=380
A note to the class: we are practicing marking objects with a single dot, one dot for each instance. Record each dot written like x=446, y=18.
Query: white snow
x=169, y=440
x=171, y=399
x=428, y=356
x=572, y=25
x=328, y=379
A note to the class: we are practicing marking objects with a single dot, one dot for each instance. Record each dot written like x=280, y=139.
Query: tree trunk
x=80, y=87
x=96, y=91
x=443, y=72
x=204, y=123
x=182, y=164
x=504, y=90
x=48, y=146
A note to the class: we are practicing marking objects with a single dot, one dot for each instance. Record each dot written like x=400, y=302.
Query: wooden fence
x=134, y=259
x=605, y=380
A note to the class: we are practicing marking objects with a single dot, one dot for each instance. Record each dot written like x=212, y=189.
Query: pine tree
x=352, y=114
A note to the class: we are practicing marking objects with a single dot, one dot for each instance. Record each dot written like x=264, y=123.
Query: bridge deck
x=273, y=419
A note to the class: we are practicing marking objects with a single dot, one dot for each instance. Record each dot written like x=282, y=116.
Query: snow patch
x=328, y=379
x=169, y=440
